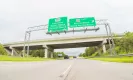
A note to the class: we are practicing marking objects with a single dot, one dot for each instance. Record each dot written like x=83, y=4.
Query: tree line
x=32, y=53
x=123, y=45
x=41, y=53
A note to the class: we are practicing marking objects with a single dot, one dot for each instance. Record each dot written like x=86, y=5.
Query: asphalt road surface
x=72, y=69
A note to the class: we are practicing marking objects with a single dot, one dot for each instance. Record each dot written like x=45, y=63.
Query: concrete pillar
x=51, y=52
x=48, y=51
x=103, y=45
x=12, y=51
x=104, y=48
x=45, y=51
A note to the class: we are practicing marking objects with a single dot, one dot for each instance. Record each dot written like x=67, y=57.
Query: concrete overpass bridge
x=58, y=43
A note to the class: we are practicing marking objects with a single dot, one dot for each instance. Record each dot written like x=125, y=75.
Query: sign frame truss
x=44, y=27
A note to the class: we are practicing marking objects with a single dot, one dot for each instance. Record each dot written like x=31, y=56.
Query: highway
x=71, y=69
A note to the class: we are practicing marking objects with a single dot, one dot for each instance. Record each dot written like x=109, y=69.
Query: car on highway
x=74, y=57
x=66, y=57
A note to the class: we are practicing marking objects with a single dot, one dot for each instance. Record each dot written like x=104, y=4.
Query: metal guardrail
x=129, y=54
x=114, y=56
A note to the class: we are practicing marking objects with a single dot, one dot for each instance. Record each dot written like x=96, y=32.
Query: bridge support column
x=104, y=48
x=48, y=51
x=12, y=51
x=51, y=53
x=103, y=45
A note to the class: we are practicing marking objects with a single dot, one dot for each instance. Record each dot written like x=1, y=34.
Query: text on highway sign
x=57, y=24
x=82, y=22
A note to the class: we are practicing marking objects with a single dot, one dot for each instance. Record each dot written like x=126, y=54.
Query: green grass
x=11, y=58
x=115, y=59
x=70, y=57
x=61, y=58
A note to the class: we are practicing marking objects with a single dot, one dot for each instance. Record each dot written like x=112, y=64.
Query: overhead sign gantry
x=62, y=24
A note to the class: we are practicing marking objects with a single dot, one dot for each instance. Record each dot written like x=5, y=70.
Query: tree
x=84, y=55
x=2, y=50
x=37, y=53
x=89, y=51
x=124, y=45
x=55, y=54
x=81, y=55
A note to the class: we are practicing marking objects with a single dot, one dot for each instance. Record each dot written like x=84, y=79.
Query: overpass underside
x=49, y=48
x=62, y=46
x=75, y=45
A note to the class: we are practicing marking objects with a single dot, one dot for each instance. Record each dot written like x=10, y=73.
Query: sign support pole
x=24, y=48
x=113, y=45
x=28, y=47
x=108, y=38
x=31, y=29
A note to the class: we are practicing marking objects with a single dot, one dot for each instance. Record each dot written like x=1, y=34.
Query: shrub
x=37, y=53
x=95, y=54
x=2, y=50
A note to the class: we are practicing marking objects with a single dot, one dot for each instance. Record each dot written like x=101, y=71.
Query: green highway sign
x=57, y=24
x=82, y=22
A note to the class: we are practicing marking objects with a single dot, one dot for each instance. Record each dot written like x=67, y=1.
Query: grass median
x=21, y=59
x=115, y=59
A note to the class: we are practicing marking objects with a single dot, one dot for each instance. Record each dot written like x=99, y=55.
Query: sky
x=17, y=15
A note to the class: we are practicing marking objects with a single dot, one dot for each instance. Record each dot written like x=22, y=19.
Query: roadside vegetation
x=34, y=55
x=114, y=59
x=41, y=53
x=2, y=50
x=123, y=47
x=58, y=55
x=14, y=58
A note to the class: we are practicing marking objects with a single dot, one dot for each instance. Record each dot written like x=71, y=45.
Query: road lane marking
x=66, y=71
